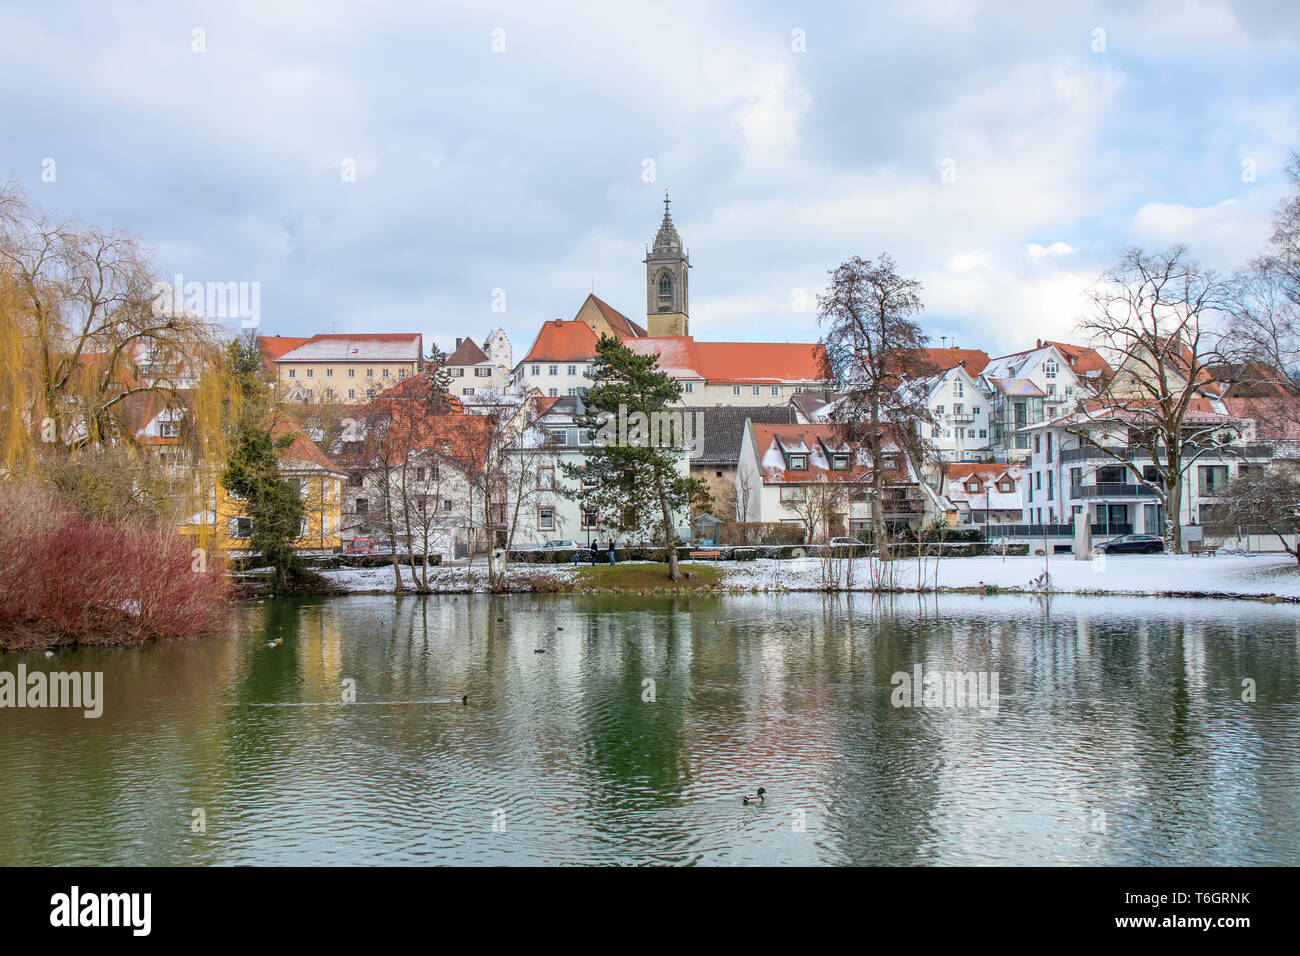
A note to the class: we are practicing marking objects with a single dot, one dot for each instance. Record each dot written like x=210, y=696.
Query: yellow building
x=347, y=369
x=320, y=485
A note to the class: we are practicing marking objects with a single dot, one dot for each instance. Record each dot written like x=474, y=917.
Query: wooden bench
x=1202, y=549
x=706, y=555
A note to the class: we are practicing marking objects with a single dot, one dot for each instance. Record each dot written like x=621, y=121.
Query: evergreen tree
x=438, y=378
x=252, y=471
x=636, y=477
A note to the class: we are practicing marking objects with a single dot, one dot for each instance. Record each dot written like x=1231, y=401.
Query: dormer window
x=839, y=462
x=798, y=463
x=1006, y=487
x=973, y=486
x=889, y=462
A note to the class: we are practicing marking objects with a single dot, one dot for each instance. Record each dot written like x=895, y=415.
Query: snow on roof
x=360, y=347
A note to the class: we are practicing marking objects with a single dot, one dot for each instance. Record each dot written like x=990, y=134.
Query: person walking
x=611, y=551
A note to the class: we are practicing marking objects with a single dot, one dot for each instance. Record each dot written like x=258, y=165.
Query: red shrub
x=67, y=579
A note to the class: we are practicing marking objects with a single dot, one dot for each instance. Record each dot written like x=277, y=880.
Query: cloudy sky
x=1004, y=154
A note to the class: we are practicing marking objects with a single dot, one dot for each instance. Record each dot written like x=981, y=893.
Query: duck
x=275, y=643
x=49, y=653
x=754, y=798
x=464, y=699
x=539, y=650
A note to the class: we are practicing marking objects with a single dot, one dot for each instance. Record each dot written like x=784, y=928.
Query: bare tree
x=1153, y=314
x=1270, y=499
x=871, y=350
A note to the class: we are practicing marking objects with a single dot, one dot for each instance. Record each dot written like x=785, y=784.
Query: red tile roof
x=561, y=341
x=946, y=358
x=1081, y=358
x=302, y=448
x=817, y=441
x=751, y=362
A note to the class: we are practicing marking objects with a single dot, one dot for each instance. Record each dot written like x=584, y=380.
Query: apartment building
x=345, y=368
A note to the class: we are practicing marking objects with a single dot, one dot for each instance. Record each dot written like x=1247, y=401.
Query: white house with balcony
x=1066, y=475
x=959, y=410
x=1026, y=388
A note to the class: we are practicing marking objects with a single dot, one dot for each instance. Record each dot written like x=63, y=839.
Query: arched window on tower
x=665, y=286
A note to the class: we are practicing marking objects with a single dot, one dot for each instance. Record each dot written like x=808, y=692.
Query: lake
x=1118, y=735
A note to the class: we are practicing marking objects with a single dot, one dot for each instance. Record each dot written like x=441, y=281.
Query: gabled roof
x=561, y=341
x=1083, y=361
x=467, y=353
x=1275, y=418
x=358, y=347
x=302, y=450
x=774, y=442
x=623, y=327
x=958, y=475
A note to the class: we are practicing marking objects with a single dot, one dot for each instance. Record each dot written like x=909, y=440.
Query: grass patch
x=645, y=577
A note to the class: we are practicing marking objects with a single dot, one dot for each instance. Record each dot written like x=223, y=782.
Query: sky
x=510, y=158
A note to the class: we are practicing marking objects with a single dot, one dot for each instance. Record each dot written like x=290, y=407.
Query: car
x=1132, y=544
x=558, y=544
x=847, y=543
x=362, y=546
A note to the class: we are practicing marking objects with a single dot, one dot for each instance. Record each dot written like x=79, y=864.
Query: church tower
x=666, y=283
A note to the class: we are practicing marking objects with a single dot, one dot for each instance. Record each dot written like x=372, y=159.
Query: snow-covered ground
x=1263, y=575
x=1251, y=575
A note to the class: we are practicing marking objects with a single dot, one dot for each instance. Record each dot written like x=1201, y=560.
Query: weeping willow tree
x=93, y=364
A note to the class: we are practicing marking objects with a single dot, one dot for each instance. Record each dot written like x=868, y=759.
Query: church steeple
x=667, y=291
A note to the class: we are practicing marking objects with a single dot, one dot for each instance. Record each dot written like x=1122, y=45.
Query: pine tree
x=635, y=478
x=438, y=378
x=252, y=471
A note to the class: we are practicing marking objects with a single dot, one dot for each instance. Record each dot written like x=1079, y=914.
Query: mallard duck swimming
x=464, y=699
x=275, y=643
x=755, y=798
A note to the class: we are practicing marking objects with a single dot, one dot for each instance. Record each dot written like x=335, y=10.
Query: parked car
x=559, y=544
x=362, y=546
x=1132, y=544
x=847, y=543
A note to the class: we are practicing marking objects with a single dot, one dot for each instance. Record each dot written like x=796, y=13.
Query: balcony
x=1253, y=450
x=901, y=507
x=1111, y=489
x=965, y=418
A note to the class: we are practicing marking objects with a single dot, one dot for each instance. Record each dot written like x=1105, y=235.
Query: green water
x=1120, y=736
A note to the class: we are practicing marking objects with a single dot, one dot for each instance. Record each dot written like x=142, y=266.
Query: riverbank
x=1259, y=577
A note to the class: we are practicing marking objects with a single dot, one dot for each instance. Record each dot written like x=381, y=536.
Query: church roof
x=623, y=327
x=755, y=363
x=667, y=237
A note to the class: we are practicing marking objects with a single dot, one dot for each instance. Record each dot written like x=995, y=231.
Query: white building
x=985, y=494
x=475, y=372
x=1066, y=475
x=960, y=412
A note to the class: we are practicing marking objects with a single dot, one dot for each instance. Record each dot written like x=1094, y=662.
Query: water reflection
x=1121, y=735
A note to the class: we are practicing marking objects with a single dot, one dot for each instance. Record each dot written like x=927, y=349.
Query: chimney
x=1039, y=344
x=458, y=341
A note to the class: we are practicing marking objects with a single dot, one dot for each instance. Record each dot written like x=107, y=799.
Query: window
x=329, y=373
x=1050, y=494
x=329, y=393
x=938, y=409
x=1049, y=448
x=935, y=431
x=421, y=503
x=467, y=391
x=1006, y=486
x=553, y=393
x=957, y=408
x=457, y=372
x=588, y=482
x=688, y=387
x=961, y=434
x=839, y=462
x=545, y=519
x=776, y=389
x=447, y=504
x=370, y=393
x=975, y=410
x=735, y=390
x=665, y=287
x=1038, y=480
x=482, y=373
x=419, y=474
x=792, y=492
x=958, y=387
x=974, y=486
x=590, y=519
x=401, y=373
x=537, y=370
x=984, y=433
x=309, y=372
x=352, y=373
x=573, y=391
x=586, y=436
x=552, y=370
x=385, y=373
x=546, y=477
x=352, y=393
x=1050, y=368
x=1076, y=477
x=1212, y=479
x=573, y=370
x=241, y=527
x=292, y=374
x=1038, y=444
x=363, y=506
x=370, y=373
x=798, y=463
x=169, y=429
